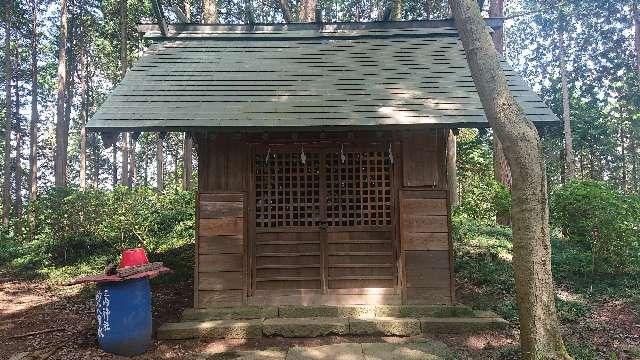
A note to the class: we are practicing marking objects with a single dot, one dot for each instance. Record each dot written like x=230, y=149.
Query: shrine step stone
x=305, y=327
x=214, y=329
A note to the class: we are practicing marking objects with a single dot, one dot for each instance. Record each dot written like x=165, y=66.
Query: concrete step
x=225, y=313
x=388, y=326
x=305, y=327
x=434, y=325
x=214, y=329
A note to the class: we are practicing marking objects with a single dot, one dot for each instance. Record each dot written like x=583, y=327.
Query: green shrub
x=601, y=219
x=78, y=232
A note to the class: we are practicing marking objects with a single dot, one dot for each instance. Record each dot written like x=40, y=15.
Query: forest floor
x=65, y=318
x=600, y=314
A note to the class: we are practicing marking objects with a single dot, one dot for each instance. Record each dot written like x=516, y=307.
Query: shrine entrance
x=323, y=227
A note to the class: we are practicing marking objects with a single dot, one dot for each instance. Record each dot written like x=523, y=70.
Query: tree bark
x=133, y=166
x=160, y=162
x=186, y=7
x=18, y=159
x=540, y=336
x=114, y=164
x=286, y=10
x=6, y=172
x=209, y=12
x=501, y=170
x=452, y=175
x=307, y=11
x=187, y=157
x=33, y=126
x=636, y=32
x=570, y=168
x=60, y=160
x=394, y=11
x=84, y=112
x=126, y=137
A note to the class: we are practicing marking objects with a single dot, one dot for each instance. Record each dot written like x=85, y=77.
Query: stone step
x=385, y=326
x=214, y=329
x=305, y=327
x=351, y=312
x=434, y=325
x=225, y=313
x=324, y=326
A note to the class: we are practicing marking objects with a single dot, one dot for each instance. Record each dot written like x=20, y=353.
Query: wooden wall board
x=221, y=250
x=426, y=247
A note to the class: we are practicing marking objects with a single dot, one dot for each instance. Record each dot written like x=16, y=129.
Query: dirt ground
x=53, y=322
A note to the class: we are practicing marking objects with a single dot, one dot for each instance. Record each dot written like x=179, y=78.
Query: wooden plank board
x=215, y=210
x=215, y=245
x=424, y=261
x=425, y=241
x=231, y=280
x=425, y=206
x=227, y=262
x=424, y=223
x=224, y=226
x=432, y=278
x=222, y=298
x=206, y=197
x=428, y=296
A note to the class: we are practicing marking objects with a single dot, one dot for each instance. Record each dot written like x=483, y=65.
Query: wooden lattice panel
x=358, y=189
x=287, y=191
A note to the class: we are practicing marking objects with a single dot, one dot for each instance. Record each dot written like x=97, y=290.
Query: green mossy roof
x=323, y=77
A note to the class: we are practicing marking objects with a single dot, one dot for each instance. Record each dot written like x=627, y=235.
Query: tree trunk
x=452, y=175
x=6, y=172
x=60, y=160
x=133, y=166
x=427, y=9
x=286, y=10
x=187, y=9
x=114, y=164
x=623, y=156
x=126, y=137
x=84, y=114
x=501, y=170
x=33, y=126
x=307, y=11
x=566, y=113
x=636, y=32
x=18, y=159
x=539, y=329
x=160, y=162
x=394, y=10
x=95, y=149
x=209, y=12
x=187, y=158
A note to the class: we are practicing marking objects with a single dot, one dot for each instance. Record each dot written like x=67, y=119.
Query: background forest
x=70, y=205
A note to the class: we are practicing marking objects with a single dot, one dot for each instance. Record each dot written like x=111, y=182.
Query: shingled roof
x=320, y=76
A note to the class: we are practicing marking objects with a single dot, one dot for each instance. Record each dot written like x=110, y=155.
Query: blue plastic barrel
x=124, y=316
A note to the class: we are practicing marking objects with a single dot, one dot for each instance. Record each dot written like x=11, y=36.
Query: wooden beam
x=180, y=14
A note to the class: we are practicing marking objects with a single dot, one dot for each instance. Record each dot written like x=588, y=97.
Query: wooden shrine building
x=321, y=154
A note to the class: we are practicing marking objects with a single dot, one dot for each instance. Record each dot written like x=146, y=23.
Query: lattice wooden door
x=325, y=223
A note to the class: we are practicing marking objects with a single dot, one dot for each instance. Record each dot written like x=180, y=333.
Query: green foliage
x=80, y=232
x=602, y=220
x=481, y=196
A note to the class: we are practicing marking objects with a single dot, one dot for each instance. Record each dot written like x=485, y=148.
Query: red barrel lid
x=133, y=257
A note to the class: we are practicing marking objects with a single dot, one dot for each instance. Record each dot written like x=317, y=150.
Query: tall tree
x=60, y=160
x=452, y=174
x=6, y=172
x=187, y=159
x=160, y=162
x=570, y=169
x=33, y=126
x=501, y=169
x=84, y=102
x=18, y=160
x=209, y=12
x=540, y=336
x=286, y=10
x=636, y=32
x=126, y=137
x=307, y=11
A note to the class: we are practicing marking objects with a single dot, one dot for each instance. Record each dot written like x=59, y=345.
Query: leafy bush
x=601, y=219
x=77, y=232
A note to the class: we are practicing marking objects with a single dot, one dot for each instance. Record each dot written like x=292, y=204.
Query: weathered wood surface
x=426, y=249
x=221, y=255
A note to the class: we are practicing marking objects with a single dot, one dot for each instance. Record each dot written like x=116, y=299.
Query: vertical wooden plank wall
x=220, y=274
x=424, y=219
